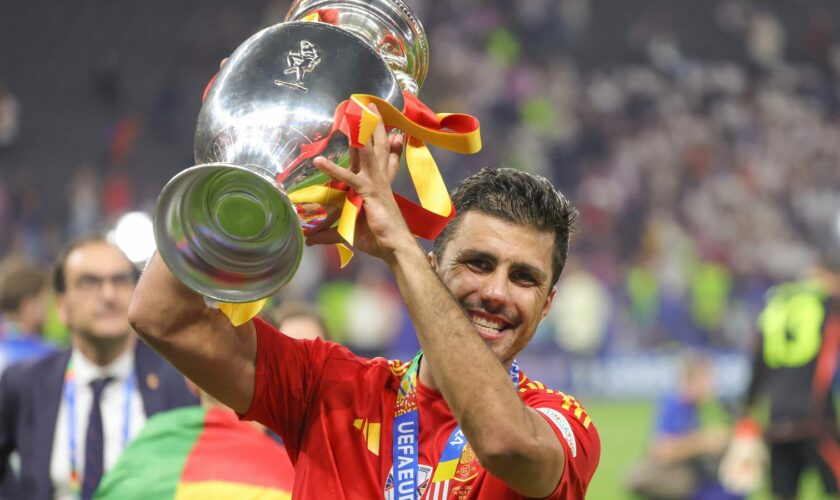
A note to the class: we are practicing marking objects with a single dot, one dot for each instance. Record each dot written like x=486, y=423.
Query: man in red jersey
x=461, y=420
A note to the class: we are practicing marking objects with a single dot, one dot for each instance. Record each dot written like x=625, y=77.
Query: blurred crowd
x=702, y=178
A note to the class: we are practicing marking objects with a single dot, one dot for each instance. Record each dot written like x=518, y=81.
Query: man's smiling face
x=500, y=274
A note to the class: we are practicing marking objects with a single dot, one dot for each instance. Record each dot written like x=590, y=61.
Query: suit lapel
x=148, y=379
x=49, y=390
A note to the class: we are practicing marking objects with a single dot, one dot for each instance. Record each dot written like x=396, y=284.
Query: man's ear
x=548, y=301
x=432, y=260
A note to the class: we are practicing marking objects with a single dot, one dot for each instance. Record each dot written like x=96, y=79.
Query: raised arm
x=513, y=442
x=198, y=340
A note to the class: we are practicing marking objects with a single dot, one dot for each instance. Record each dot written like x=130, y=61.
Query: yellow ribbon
x=424, y=172
x=241, y=313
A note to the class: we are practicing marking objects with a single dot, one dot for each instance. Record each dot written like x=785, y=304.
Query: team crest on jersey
x=424, y=477
x=467, y=465
x=466, y=471
x=563, y=426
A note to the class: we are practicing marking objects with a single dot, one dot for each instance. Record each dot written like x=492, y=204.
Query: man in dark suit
x=70, y=414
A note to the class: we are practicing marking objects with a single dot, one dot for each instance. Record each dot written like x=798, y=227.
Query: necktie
x=94, y=440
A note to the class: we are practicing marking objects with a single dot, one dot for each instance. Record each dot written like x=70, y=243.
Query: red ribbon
x=347, y=118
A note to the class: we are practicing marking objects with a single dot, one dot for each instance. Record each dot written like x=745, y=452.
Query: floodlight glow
x=134, y=234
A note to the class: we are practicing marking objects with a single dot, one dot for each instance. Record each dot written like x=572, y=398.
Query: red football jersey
x=335, y=410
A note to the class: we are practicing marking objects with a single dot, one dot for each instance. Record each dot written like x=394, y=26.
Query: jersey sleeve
x=575, y=432
x=288, y=372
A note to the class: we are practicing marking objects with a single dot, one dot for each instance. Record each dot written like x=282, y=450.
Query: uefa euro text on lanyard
x=407, y=433
x=70, y=400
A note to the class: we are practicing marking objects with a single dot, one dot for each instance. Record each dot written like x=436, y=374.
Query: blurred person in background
x=298, y=320
x=207, y=452
x=70, y=414
x=372, y=313
x=84, y=211
x=580, y=312
x=683, y=458
x=795, y=363
x=465, y=420
x=24, y=302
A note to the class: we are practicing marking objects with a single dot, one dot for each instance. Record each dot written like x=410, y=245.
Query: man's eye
x=524, y=278
x=123, y=280
x=477, y=264
x=88, y=281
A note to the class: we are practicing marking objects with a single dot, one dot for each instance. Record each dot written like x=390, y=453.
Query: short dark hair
x=59, y=273
x=519, y=198
x=20, y=278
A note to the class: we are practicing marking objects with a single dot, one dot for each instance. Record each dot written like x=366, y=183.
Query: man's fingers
x=396, y=143
x=380, y=136
x=333, y=213
x=375, y=151
x=224, y=61
x=334, y=171
x=367, y=154
x=354, y=160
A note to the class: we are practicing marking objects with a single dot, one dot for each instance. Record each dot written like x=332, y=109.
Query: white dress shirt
x=113, y=408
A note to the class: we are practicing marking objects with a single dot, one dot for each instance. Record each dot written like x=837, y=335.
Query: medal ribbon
x=70, y=401
x=406, y=433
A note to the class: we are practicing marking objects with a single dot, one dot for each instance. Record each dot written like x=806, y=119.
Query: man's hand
x=381, y=227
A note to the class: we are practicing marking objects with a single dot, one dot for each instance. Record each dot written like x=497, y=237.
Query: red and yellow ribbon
x=455, y=132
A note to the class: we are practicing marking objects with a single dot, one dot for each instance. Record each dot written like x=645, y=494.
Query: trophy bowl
x=226, y=227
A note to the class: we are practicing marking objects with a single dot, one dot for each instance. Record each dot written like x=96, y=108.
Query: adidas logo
x=371, y=431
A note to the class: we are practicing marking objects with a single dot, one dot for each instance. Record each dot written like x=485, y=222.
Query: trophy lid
x=389, y=26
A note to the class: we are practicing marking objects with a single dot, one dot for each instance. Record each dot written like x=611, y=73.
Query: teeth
x=487, y=323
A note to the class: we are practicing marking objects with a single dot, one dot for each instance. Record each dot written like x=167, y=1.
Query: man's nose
x=108, y=289
x=494, y=289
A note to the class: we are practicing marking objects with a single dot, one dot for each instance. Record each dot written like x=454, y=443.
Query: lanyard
x=406, y=434
x=70, y=400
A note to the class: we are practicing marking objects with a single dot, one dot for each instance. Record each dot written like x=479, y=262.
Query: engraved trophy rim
x=393, y=14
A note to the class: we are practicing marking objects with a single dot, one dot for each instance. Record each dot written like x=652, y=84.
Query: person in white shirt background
x=70, y=414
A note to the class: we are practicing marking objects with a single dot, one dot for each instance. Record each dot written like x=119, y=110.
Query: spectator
x=70, y=414
x=24, y=301
x=683, y=459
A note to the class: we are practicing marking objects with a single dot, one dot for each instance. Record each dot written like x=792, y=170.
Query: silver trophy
x=226, y=227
